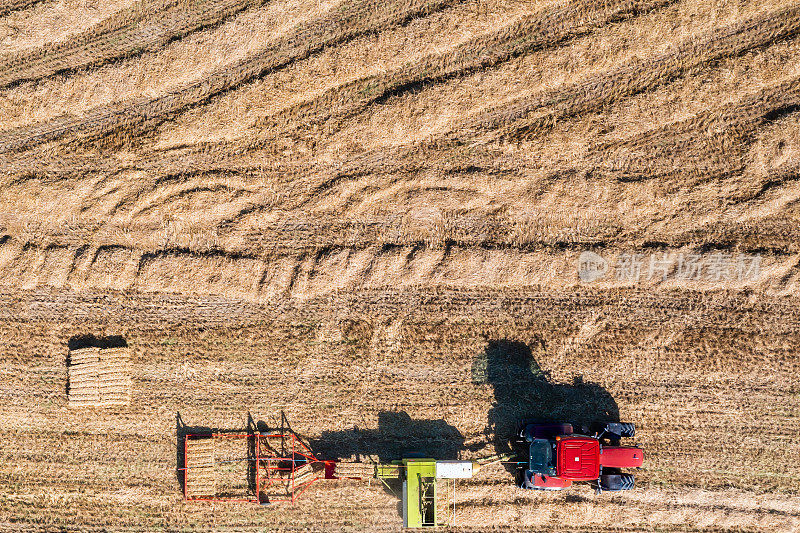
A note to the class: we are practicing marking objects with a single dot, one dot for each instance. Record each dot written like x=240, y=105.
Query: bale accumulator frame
x=279, y=467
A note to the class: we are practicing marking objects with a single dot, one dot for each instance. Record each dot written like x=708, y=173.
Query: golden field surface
x=366, y=216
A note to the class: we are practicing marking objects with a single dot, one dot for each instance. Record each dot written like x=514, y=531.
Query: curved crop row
x=599, y=90
x=133, y=31
x=540, y=30
x=713, y=143
x=526, y=116
x=548, y=28
x=350, y=21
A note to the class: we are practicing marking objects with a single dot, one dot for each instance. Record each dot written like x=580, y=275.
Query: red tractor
x=557, y=456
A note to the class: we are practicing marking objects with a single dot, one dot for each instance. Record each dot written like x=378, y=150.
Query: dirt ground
x=369, y=217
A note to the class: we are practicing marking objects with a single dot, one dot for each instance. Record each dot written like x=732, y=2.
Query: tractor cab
x=577, y=458
x=542, y=457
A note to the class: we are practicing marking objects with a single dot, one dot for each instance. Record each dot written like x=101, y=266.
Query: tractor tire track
x=138, y=29
x=359, y=18
x=530, y=116
x=711, y=144
x=7, y=6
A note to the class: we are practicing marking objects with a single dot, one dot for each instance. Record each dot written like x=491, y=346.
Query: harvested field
x=397, y=226
x=377, y=372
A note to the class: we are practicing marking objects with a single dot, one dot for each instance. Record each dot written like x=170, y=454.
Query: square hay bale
x=308, y=472
x=99, y=377
x=84, y=355
x=356, y=470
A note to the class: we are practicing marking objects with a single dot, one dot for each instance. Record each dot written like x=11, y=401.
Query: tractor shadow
x=524, y=391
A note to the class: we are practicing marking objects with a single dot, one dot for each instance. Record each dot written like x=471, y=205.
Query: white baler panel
x=453, y=469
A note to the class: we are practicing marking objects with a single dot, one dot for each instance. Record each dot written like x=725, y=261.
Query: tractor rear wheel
x=543, y=430
x=627, y=429
x=616, y=430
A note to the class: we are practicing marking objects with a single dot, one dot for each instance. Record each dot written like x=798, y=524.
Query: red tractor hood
x=578, y=458
x=621, y=456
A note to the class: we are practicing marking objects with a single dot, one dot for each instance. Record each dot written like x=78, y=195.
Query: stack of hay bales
x=99, y=377
x=200, y=480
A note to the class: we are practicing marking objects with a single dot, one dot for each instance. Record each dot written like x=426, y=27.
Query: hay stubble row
x=308, y=38
x=138, y=29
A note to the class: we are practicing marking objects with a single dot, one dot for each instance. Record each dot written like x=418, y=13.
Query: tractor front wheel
x=615, y=482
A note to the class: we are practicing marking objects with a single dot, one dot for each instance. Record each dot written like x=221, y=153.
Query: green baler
x=419, y=477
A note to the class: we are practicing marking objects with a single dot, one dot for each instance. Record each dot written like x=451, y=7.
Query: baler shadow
x=523, y=391
x=397, y=436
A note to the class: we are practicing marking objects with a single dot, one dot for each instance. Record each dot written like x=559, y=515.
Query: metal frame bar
x=258, y=474
x=185, y=464
x=294, y=465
